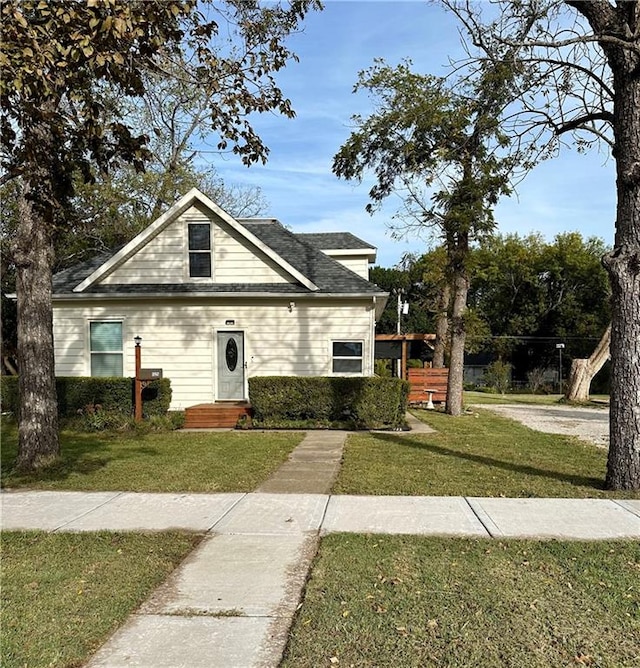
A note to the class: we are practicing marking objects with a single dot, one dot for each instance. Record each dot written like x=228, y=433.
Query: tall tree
x=578, y=62
x=57, y=60
x=438, y=146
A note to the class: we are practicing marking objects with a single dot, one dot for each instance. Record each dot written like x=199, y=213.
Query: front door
x=230, y=365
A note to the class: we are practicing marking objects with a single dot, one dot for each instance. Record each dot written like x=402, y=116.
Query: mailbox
x=150, y=374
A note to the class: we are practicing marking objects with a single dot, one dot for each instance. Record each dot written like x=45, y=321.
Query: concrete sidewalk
x=231, y=602
x=287, y=514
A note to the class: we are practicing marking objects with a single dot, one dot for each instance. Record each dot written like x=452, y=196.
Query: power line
x=535, y=338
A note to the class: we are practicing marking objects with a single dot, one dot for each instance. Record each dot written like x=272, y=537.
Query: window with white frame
x=199, y=250
x=105, y=345
x=346, y=356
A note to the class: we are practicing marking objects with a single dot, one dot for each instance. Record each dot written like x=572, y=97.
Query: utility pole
x=560, y=347
x=402, y=309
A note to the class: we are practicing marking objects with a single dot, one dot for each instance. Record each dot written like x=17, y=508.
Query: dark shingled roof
x=298, y=250
x=66, y=280
x=334, y=241
x=328, y=274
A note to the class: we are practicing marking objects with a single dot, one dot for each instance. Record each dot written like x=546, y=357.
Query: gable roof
x=188, y=200
x=314, y=272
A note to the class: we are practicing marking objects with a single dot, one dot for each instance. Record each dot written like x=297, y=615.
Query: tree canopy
x=438, y=146
x=68, y=70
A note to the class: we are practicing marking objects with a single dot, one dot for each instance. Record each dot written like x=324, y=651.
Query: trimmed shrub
x=361, y=403
x=113, y=395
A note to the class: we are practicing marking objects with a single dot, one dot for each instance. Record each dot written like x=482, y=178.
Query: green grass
x=473, y=455
x=470, y=398
x=378, y=601
x=64, y=594
x=155, y=462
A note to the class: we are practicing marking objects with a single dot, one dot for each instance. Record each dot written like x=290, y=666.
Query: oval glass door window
x=231, y=354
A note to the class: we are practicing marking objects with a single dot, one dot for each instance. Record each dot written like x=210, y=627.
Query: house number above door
x=231, y=354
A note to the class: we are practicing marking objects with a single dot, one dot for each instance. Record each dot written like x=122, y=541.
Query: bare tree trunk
x=38, y=443
x=623, y=265
x=583, y=371
x=442, y=327
x=458, y=333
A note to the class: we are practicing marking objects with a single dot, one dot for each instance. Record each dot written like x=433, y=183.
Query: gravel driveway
x=589, y=424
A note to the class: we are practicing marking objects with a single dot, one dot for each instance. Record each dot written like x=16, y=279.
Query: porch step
x=212, y=416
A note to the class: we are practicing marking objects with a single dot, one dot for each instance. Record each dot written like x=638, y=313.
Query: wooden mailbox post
x=142, y=379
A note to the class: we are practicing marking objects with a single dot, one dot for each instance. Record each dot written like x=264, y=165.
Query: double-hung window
x=105, y=344
x=199, y=250
x=347, y=356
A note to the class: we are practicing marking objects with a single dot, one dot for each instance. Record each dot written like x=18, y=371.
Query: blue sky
x=571, y=192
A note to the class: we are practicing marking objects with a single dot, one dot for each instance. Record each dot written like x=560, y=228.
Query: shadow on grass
x=81, y=453
x=513, y=467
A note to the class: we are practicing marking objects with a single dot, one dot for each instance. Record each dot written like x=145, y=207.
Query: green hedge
x=113, y=394
x=363, y=403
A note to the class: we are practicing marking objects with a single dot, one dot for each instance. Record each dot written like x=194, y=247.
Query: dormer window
x=199, y=250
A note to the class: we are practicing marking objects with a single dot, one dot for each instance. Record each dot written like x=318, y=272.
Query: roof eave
x=369, y=253
x=74, y=296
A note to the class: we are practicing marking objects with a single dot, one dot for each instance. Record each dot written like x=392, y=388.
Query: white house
x=217, y=300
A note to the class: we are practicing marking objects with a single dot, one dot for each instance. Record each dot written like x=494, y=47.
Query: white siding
x=179, y=337
x=234, y=262
x=164, y=259
x=159, y=261
x=357, y=264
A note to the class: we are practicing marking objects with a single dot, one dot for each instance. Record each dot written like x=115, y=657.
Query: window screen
x=105, y=341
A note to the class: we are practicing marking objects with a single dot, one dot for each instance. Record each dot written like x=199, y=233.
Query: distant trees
x=420, y=280
x=525, y=294
x=526, y=286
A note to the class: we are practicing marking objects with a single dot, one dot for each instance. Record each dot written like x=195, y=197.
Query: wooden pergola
x=404, y=340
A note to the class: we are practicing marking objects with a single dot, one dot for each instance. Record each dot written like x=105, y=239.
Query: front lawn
x=63, y=595
x=402, y=602
x=155, y=462
x=473, y=455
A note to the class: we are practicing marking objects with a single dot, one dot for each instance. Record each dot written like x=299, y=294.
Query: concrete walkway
x=312, y=467
x=231, y=602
